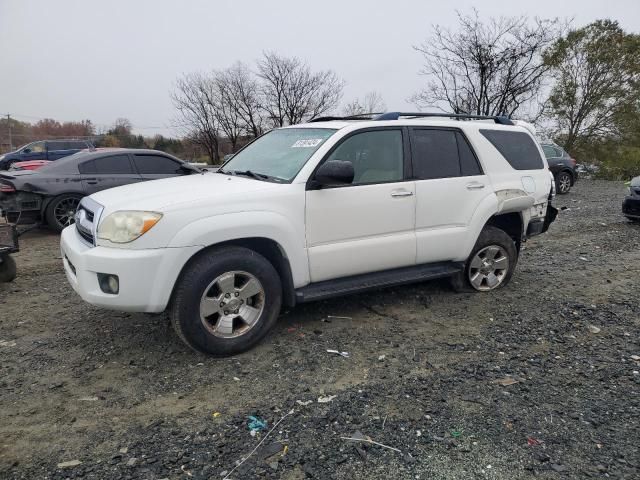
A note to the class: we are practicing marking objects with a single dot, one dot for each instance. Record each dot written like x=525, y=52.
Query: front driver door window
x=369, y=225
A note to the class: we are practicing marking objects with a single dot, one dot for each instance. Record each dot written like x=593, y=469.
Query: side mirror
x=334, y=172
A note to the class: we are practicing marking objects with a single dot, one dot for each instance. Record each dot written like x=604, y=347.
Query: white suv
x=311, y=211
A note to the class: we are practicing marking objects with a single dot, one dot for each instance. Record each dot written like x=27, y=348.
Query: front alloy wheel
x=232, y=304
x=226, y=300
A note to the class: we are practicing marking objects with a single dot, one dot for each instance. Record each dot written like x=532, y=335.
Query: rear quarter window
x=517, y=148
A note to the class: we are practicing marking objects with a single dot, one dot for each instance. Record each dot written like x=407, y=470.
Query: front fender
x=256, y=224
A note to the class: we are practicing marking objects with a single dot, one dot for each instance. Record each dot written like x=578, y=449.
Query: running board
x=375, y=280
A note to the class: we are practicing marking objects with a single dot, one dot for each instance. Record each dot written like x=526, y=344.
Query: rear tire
x=563, y=183
x=8, y=268
x=493, y=249
x=226, y=301
x=61, y=210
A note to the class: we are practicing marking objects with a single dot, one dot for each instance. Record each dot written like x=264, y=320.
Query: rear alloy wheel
x=491, y=263
x=488, y=268
x=61, y=211
x=563, y=182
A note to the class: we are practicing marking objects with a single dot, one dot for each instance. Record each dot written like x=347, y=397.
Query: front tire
x=226, y=301
x=563, y=183
x=491, y=263
x=61, y=211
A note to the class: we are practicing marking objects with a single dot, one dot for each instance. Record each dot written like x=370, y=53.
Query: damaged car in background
x=631, y=203
x=51, y=194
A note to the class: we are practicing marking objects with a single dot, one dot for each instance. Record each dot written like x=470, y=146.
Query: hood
x=173, y=193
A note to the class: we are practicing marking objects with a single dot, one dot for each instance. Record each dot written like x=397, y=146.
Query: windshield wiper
x=250, y=173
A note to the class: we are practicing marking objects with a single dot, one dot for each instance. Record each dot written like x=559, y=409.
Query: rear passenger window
x=113, y=164
x=517, y=148
x=87, y=167
x=469, y=165
x=77, y=145
x=151, y=164
x=434, y=153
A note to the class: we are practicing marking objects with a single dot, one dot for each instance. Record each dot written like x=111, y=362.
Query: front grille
x=87, y=216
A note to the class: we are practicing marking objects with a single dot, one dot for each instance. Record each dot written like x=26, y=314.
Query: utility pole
x=9, y=126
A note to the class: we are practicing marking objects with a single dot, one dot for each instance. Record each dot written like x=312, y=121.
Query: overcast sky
x=100, y=60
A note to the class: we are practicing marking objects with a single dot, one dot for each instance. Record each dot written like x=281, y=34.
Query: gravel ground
x=539, y=379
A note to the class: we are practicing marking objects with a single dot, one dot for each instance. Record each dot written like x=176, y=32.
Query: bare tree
x=292, y=93
x=194, y=99
x=225, y=108
x=245, y=90
x=371, y=103
x=486, y=68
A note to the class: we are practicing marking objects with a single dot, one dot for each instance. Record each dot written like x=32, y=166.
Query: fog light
x=109, y=283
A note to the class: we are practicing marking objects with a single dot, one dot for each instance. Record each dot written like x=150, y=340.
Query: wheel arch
x=267, y=247
x=511, y=223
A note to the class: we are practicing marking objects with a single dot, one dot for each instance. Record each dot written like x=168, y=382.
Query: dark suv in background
x=562, y=166
x=44, y=150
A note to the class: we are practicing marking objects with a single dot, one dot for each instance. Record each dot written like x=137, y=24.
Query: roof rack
x=500, y=119
x=360, y=116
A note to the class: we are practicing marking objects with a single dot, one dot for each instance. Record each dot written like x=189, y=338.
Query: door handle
x=401, y=193
x=475, y=186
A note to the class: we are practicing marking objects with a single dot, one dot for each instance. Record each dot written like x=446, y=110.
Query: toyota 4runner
x=311, y=211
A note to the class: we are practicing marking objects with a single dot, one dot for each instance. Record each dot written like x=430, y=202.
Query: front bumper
x=631, y=207
x=146, y=276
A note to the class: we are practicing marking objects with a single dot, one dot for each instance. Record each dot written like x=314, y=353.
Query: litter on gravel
x=506, y=381
x=326, y=399
x=342, y=354
x=69, y=464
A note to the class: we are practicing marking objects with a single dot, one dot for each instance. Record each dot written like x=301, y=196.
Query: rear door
x=151, y=166
x=450, y=184
x=107, y=172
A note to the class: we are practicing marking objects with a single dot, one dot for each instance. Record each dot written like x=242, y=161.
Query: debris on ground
x=506, y=381
x=305, y=403
x=343, y=354
x=69, y=464
x=256, y=424
x=359, y=437
x=594, y=329
x=326, y=399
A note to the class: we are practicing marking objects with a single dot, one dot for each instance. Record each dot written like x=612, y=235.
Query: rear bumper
x=541, y=225
x=631, y=207
x=21, y=207
x=146, y=276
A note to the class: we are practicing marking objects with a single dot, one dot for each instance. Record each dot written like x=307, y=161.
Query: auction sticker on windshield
x=307, y=143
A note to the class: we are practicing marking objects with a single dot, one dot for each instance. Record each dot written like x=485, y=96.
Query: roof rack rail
x=500, y=119
x=360, y=116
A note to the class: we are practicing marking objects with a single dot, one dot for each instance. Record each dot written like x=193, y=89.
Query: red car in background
x=29, y=165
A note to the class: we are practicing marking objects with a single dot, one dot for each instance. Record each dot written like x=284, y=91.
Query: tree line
x=580, y=86
x=120, y=134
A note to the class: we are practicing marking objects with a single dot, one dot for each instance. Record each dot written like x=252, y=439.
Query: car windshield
x=279, y=155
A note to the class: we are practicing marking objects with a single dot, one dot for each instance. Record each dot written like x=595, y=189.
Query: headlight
x=126, y=226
